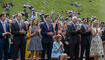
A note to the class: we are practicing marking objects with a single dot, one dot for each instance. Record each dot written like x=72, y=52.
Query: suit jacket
x=44, y=31
x=103, y=36
x=72, y=34
x=2, y=39
x=15, y=31
x=85, y=36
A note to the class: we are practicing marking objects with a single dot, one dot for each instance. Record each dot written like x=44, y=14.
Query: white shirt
x=2, y=25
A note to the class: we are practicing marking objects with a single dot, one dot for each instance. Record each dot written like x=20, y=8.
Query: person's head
x=84, y=20
x=95, y=24
x=58, y=38
x=2, y=16
x=74, y=19
x=65, y=25
x=34, y=22
x=59, y=26
x=19, y=16
x=47, y=17
x=102, y=24
x=63, y=32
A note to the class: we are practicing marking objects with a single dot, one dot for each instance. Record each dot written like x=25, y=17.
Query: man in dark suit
x=18, y=30
x=73, y=34
x=85, y=39
x=4, y=34
x=65, y=42
x=47, y=32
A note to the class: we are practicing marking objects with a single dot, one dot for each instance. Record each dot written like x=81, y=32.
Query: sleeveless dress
x=96, y=44
x=35, y=42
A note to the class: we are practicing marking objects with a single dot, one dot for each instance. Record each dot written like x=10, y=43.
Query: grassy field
x=94, y=8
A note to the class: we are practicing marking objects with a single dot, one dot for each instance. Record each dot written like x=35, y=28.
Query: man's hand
x=78, y=28
x=10, y=42
x=50, y=33
x=22, y=31
x=67, y=43
x=7, y=33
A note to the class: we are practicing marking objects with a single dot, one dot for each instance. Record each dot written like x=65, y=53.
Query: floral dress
x=96, y=44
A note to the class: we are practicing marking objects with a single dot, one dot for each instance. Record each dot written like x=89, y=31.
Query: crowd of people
x=51, y=37
x=7, y=6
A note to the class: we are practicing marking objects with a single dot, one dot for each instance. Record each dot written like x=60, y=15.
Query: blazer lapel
x=1, y=26
x=17, y=26
x=46, y=26
x=73, y=26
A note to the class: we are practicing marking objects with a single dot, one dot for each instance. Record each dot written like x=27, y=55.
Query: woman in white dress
x=96, y=43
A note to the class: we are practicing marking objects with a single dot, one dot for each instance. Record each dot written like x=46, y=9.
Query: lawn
x=88, y=9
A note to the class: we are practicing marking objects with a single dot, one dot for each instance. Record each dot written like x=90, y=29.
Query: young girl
x=57, y=51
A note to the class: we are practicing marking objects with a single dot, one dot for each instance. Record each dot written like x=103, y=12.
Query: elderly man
x=73, y=32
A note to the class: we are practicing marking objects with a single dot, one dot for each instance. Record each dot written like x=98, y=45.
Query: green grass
x=94, y=8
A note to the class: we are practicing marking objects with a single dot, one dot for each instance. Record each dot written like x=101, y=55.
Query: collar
x=73, y=23
x=18, y=21
x=2, y=21
x=46, y=22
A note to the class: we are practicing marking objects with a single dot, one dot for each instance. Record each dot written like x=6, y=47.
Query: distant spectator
x=71, y=3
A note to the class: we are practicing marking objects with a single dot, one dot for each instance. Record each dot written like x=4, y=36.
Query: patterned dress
x=35, y=42
x=96, y=44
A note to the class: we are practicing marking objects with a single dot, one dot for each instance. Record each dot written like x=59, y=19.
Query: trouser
x=4, y=51
x=19, y=46
x=46, y=47
x=74, y=51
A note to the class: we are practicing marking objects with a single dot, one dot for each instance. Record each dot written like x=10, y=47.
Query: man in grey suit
x=73, y=34
x=19, y=32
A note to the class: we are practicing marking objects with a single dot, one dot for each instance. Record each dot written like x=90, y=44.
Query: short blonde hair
x=58, y=36
x=94, y=23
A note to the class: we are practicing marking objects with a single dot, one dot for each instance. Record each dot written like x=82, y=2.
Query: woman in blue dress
x=58, y=50
x=35, y=42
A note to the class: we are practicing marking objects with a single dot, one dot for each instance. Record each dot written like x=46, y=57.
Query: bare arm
x=94, y=33
x=30, y=32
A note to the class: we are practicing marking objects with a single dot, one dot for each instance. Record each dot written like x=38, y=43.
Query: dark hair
x=46, y=15
x=102, y=23
x=2, y=14
x=56, y=28
x=84, y=19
